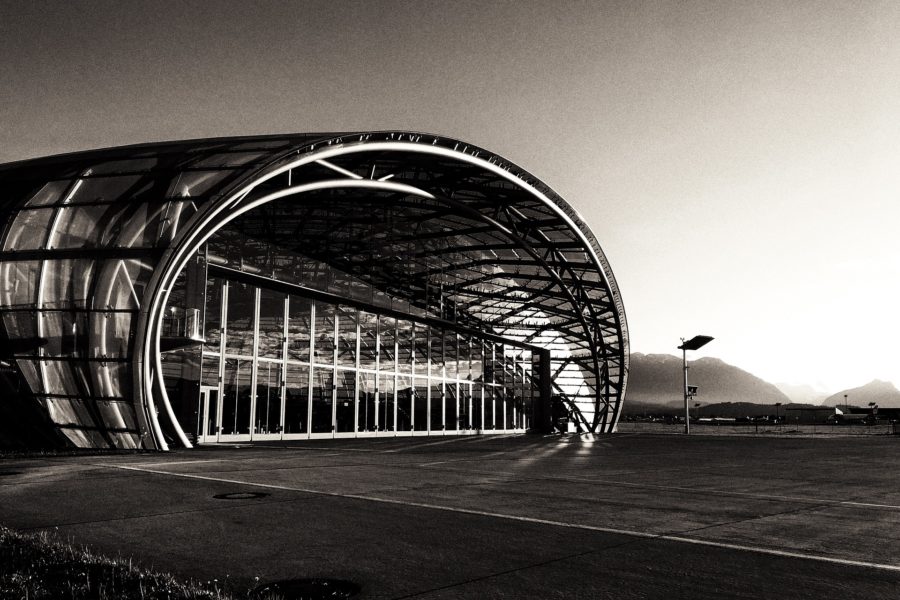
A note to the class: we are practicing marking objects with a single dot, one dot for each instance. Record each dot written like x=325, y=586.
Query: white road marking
x=468, y=511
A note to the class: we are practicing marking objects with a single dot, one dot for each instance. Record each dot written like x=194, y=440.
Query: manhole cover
x=240, y=496
x=306, y=589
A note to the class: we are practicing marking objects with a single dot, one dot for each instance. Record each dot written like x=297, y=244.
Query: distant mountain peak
x=882, y=393
x=657, y=378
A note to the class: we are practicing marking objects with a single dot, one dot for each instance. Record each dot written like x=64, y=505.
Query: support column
x=543, y=406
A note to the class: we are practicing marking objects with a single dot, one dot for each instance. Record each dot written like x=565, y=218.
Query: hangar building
x=298, y=287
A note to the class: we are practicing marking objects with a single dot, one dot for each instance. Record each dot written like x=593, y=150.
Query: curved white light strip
x=183, y=255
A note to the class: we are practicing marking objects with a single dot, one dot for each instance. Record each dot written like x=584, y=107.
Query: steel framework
x=94, y=242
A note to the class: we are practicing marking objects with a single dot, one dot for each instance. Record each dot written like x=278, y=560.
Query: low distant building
x=296, y=287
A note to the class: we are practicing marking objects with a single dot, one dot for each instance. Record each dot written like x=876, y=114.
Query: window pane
x=29, y=230
x=212, y=326
x=101, y=189
x=420, y=349
x=436, y=352
x=420, y=405
x=298, y=328
x=451, y=356
x=388, y=333
x=296, y=399
x=322, y=400
x=346, y=338
x=271, y=323
x=67, y=283
x=345, y=399
x=365, y=402
x=241, y=304
x=268, y=398
x=405, y=398
x=18, y=287
x=437, y=405
x=386, y=402
x=368, y=325
x=450, y=405
x=324, y=348
x=404, y=346
x=51, y=193
x=236, y=397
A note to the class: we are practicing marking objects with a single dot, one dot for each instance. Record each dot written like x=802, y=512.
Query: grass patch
x=38, y=566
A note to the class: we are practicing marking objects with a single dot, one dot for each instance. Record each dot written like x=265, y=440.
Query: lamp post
x=696, y=342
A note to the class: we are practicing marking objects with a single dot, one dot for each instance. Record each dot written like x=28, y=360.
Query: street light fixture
x=695, y=343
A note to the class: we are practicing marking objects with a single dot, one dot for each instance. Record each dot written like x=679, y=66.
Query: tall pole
x=687, y=410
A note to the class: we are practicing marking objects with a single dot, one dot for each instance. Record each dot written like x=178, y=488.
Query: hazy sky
x=737, y=161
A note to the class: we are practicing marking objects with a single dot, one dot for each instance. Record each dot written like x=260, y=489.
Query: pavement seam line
x=640, y=534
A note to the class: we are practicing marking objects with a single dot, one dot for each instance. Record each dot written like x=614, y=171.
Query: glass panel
x=324, y=348
x=66, y=333
x=121, y=283
x=209, y=374
x=451, y=410
x=29, y=370
x=271, y=323
x=29, y=230
x=298, y=329
x=67, y=283
x=111, y=334
x=489, y=401
x=420, y=404
x=101, y=189
x=212, y=326
x=436, y=352
x=387, y=337
x=386, y=402
x=236, y=397
x=465, y=405
x=19, y=283
x=346, y=337
x=68, y=411
x=465, y=358
x=239, y=328
x=365, y=402
x=451, y=356
x=420, y=349
x=268, y=398
x=405, y=398
x=345, y=404
x=66, y=377
x=22, y=325
x=297, y=400
x=86, y=226
x=116, y=415
x=51, y=193
x=404, y=346
x=437, y=405
x=368, y=325
x=477, y=406
x=190, y=184
x=322, y=400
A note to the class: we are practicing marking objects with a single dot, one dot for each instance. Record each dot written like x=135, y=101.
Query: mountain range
x=656, y=379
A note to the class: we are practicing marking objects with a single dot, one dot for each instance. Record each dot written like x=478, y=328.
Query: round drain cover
x=240, y=496
x=306, y=589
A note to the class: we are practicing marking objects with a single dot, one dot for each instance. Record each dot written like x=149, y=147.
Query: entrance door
x=208, y=429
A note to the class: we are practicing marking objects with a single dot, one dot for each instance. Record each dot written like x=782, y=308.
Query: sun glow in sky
x=738, y=163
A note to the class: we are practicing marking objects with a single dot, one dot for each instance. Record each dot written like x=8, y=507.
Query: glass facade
x=117, y=331
x=358, y=385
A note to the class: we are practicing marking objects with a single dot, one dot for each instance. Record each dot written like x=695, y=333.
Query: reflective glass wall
x=282, y=366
